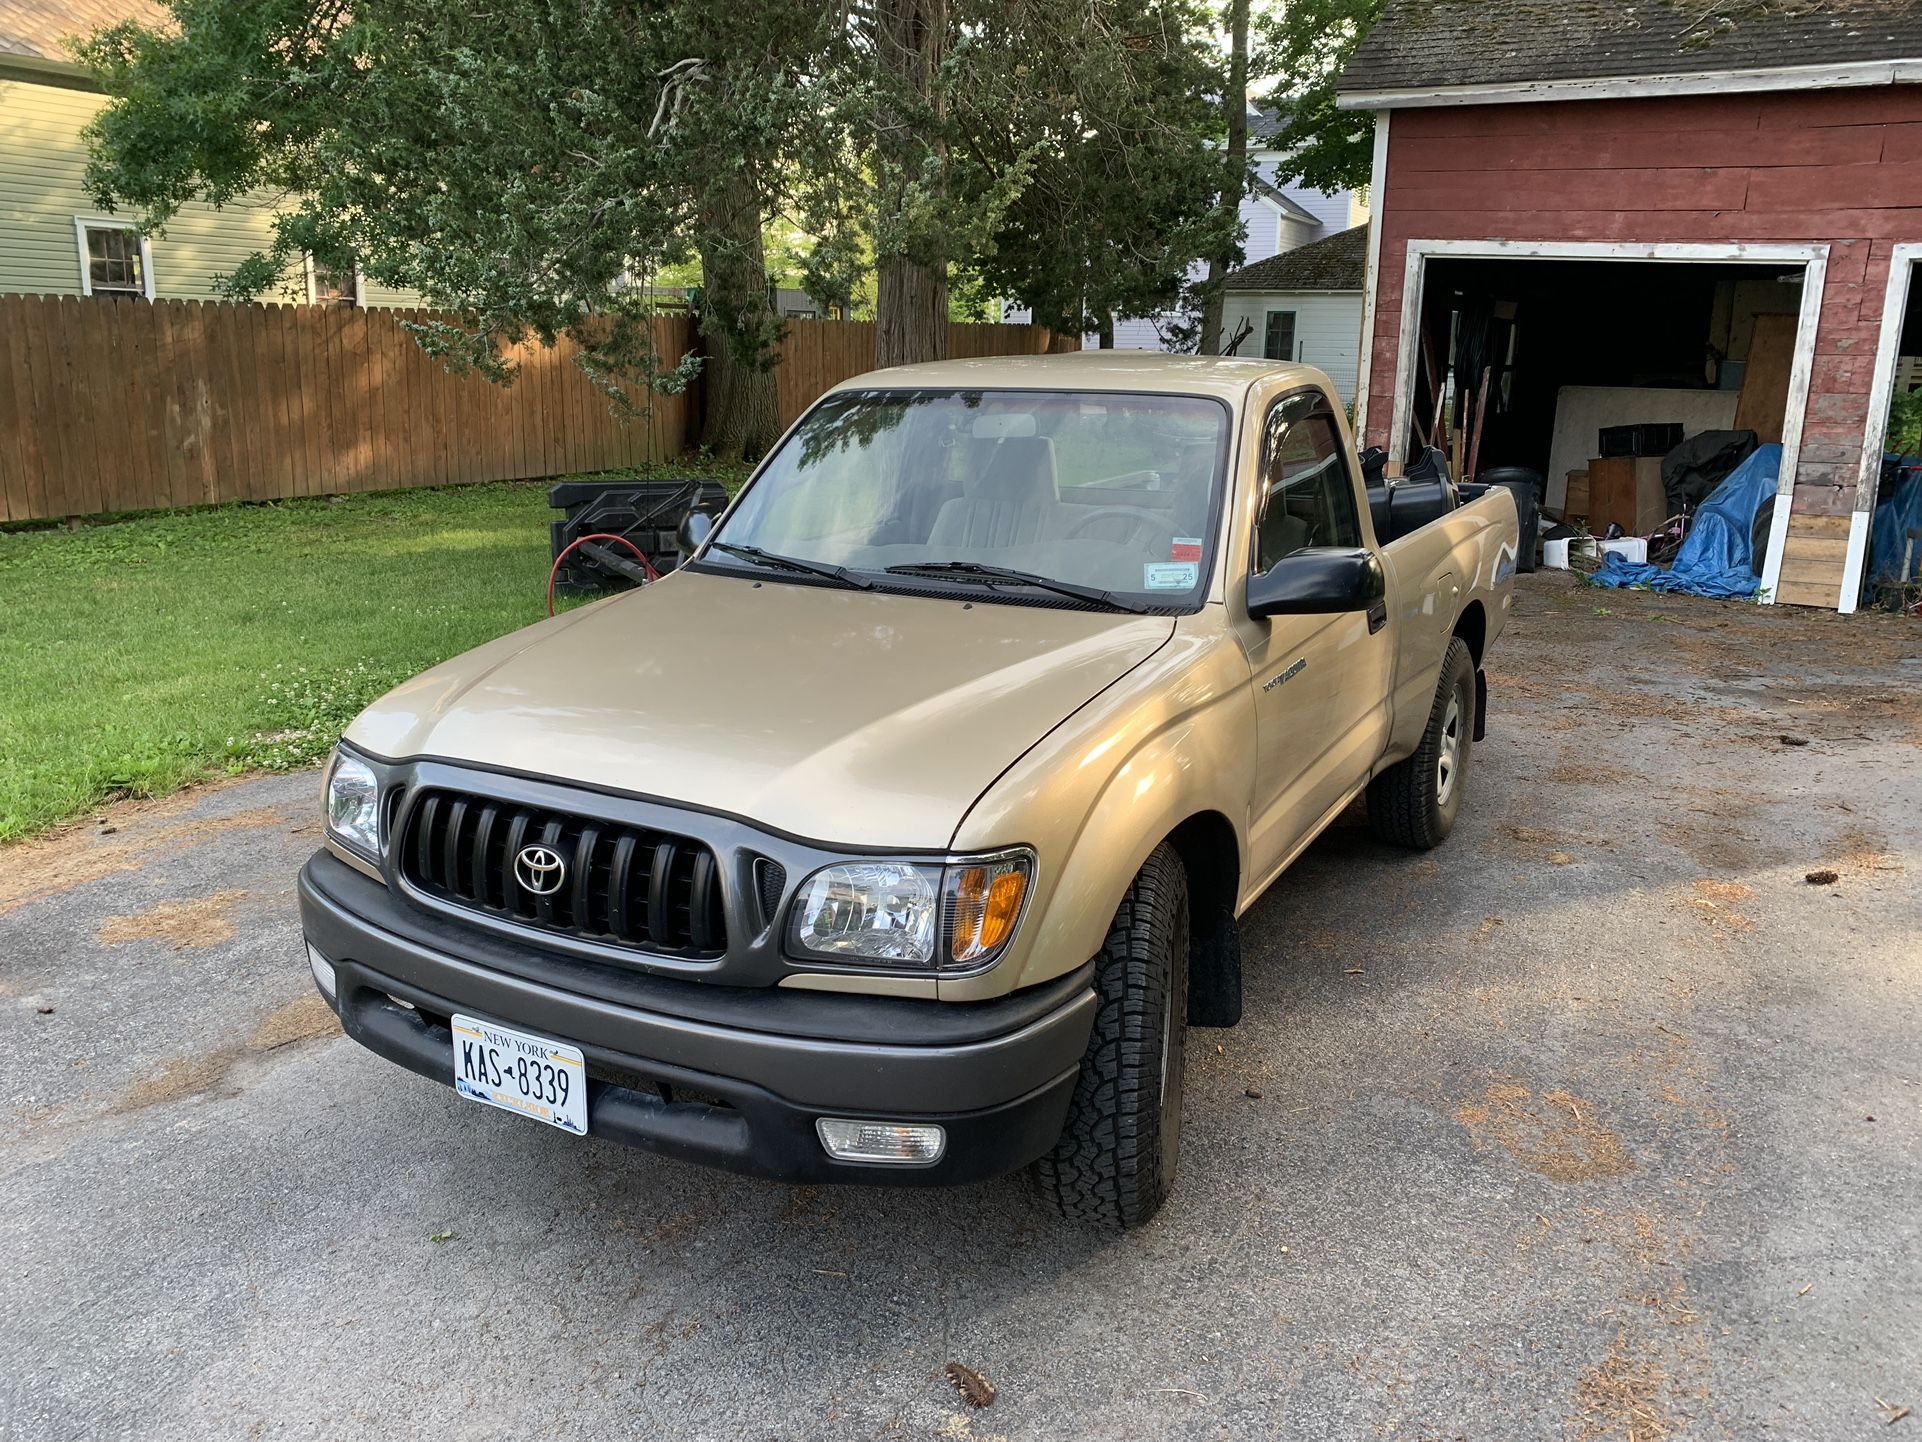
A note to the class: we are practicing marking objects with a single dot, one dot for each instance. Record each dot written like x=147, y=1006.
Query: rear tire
x=1414, y=802
x=1115, y=1162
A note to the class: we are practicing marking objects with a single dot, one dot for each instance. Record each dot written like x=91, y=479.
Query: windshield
x=1109, y=494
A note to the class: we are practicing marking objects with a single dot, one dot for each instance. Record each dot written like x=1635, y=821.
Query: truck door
x=1320, y=682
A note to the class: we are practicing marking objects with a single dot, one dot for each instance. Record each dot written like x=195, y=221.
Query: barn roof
x=36, y=29
x=1337, y=263
x=1446, y=44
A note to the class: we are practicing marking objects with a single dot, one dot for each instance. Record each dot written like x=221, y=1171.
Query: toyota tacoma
x=900, y=835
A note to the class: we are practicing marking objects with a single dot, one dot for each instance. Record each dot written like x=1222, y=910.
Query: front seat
x=1015, y=502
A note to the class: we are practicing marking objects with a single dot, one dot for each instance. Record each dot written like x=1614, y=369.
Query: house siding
x=1835, y=167
x=1327, y=329
x=43, y=163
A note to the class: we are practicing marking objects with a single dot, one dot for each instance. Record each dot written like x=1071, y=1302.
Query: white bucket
x=1555, y=554
x=1629, y=548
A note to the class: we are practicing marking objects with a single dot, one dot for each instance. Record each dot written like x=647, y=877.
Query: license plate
x=530, y=1076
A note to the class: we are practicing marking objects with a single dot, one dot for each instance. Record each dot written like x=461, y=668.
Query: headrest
x=1021, y=469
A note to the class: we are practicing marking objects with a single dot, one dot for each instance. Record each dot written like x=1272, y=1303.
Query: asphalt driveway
x=1601, y=1121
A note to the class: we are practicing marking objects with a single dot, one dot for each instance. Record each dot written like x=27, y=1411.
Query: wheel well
x=1472, y=627
x=1205, y=842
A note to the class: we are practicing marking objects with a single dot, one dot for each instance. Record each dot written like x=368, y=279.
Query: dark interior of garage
x=1533, y=328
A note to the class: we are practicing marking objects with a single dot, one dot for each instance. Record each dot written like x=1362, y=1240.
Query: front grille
x=625, y=885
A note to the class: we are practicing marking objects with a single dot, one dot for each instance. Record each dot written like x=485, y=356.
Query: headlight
x=911, y=916
x=870, y=911
x=353, y=804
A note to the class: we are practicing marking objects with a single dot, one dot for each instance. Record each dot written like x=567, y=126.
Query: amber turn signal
x=987, y=899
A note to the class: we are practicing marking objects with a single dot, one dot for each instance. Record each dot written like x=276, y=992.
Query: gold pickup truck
x=900, y=834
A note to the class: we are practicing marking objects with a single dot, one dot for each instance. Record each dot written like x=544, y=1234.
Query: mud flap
x=1481, y=704
x=1214, y=972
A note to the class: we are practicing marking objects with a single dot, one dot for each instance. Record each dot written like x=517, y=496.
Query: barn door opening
x=1591, y=365
x=1890, y=496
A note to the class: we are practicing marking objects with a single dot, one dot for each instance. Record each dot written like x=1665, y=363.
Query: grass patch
x=138, y=656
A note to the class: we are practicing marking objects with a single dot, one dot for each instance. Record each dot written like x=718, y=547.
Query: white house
x=1302, y=305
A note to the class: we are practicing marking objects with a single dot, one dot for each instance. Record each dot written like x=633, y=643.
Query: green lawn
x=141, y=655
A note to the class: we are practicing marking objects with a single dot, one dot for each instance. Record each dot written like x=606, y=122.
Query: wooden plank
x=1765, y=382
x=1678, y=115
x=104, y=394
x=1638, y=150
x=1801, y=524
x=76, y=490
x=229, y=358
x=53, y=346
x=1801, y=593
x=1642, y=190
x=381, y=379
x=267, y=392
x=15, y=427
x=17, y=315
x=1826, y=550
x=357, y=392
x=137, y=378
x=315, y=331
x=306, y=390
x=1812, y=573
x=174, y=361
x=440, y=403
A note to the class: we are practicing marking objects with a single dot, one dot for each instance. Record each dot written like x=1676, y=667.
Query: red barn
x=1671, y=212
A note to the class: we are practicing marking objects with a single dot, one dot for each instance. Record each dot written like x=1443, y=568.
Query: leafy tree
x=1303, y=45
x=1234, y=105
x=1104, y=121
x=526, y=171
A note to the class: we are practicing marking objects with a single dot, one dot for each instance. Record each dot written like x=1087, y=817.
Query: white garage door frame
x=1812, y=259
x=1895, y=304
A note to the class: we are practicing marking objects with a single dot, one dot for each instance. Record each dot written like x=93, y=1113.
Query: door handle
x=1377, y=616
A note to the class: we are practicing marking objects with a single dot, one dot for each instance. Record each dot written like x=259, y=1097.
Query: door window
x=1308, y=496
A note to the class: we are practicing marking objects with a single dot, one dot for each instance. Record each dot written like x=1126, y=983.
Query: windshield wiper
x=990, y=575
x=822, y=569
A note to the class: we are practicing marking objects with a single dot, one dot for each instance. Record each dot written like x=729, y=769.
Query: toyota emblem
x=540, y=869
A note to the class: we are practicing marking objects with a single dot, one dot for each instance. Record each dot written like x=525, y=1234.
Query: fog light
x=888, y=1143
x=323, y=970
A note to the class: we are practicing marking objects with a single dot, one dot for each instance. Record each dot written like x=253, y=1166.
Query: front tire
x=1414, y=803
x=1115, y=1162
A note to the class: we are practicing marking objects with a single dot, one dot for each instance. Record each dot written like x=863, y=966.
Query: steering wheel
x=1142, y=525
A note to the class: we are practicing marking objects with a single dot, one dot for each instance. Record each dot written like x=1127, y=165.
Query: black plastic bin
x=647, y=513
x=1529, y=488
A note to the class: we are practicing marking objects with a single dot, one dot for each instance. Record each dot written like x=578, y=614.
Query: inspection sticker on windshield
x=1185, y=548
x=1169, y=575
x=530, y=1075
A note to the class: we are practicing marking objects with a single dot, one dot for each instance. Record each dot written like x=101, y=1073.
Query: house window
x=1278, y=341
x=114, y=259
x=327, y=286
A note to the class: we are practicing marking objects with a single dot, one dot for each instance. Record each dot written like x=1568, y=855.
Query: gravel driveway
x=1600, y=1121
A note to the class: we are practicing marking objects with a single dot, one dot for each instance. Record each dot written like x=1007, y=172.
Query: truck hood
x=850, y=717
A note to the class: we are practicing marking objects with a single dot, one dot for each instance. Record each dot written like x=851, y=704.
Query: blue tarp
x=1717, y=558
x=1898, y=511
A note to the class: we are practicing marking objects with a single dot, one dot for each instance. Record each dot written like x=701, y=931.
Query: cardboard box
x=1575, y=502
x=1626, y=491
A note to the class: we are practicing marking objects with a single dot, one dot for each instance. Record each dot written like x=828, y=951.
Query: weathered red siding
x=1836, y=166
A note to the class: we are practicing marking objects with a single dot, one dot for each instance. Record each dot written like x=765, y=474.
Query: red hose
x=639, y=555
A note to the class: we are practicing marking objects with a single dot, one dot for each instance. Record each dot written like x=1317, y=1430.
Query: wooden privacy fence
x=130, y=406
x=818, y=354
x=126, y=406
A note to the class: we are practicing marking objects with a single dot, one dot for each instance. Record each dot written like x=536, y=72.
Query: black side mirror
x=1320, y=581
x=695, y=528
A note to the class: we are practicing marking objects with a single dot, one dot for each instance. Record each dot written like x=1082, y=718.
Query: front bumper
x=734, y=1077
